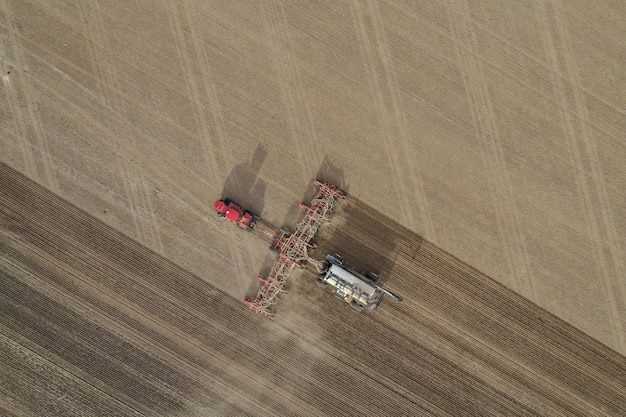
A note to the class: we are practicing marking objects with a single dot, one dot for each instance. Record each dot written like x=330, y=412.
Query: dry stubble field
x=492, y=130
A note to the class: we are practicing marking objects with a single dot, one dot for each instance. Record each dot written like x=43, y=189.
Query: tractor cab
x=233, y=213
x=227, y=209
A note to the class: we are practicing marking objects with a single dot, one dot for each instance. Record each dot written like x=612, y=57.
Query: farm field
x=481, y=145
x=93, y=323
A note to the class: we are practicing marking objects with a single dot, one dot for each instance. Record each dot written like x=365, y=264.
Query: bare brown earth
x=93, y=323
x=492, y=130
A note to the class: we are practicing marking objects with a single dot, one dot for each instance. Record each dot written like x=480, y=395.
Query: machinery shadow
x=328, y=172
x=362, y=236
x=244, y=185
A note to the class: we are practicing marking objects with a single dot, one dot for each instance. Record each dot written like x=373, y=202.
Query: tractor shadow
x=243, y=184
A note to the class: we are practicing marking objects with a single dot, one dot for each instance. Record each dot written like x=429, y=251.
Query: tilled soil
x=93, y=323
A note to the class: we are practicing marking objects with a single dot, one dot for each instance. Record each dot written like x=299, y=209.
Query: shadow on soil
x=328, y=172
x=243, y=184
x=363, y=237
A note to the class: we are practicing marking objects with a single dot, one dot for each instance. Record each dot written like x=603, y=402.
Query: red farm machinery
x=292, y=249
x=233, y=213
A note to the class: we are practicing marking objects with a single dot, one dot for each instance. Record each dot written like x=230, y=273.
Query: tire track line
x=105, y=76
x=72, y=109
x=120, y=126
x=78, y=290
x=185, y=238
x=176, y=308
x=27, y=152
x=485, y=363
x=513, y=46
x=177, y=305
x=446, y=289
x=544, y=66
x=218, y=139
x=46, y=174
x=178, y=18
x=178, y=337
x=400, y=122
x=146, y=223
x=292, y=90
x=562, y=63
x=155, y=231
x=507, y=215
x=370, y=56
x=604, y=224
x=470, y=281
x=212, y=88
x=418, y=370
x=125, y=173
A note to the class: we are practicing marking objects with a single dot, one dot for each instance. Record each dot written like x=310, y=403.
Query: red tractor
x=233, y=213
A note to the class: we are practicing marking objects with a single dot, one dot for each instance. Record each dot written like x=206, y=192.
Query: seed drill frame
x=293, y=248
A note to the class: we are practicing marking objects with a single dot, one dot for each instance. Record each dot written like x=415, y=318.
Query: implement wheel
x=285, y=230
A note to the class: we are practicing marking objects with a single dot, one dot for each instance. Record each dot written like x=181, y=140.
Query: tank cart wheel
x=321, y=283
x=376, y=303
x=356, y=306
x=334, y=258
x=285, y=230
x=374, y=277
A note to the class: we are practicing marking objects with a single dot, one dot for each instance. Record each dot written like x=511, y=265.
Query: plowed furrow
x=484, y=310
x=129, y=323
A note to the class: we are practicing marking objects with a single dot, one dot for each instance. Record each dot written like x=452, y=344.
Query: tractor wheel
x=285, y=230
